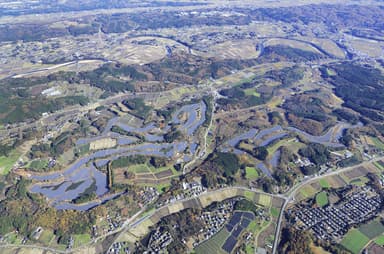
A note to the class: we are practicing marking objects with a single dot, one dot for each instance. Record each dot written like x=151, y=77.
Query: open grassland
x=251, y=173
x=81, y=239
x=46, y=237
x=12, y=238
x=6, y=163
x=38, y=164
x=275, y=212
x=139, y=168
x=252, y=91
x=354, y=241
x=294, y=146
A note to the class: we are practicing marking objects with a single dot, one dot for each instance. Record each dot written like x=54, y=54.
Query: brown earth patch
x=163, y=174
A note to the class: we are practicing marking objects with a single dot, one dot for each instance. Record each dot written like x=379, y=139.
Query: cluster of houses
x=148, y=195
x=119, y=247
x=189, y=190
x=214, y=220
x=333, y=221
x=193, y=189
x=115, y=223
x=159, y=241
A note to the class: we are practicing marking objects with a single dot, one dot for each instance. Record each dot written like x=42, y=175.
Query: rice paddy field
x=379, y=165
x=265, y=200
x=354, y=241
x=377, y=142
x=308, y=191
x=372, y=229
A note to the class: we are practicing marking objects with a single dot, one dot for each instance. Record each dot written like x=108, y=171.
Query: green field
x=378, y=165
x=380, y=240
x=253, y=226
x=6, y=163
x=39, y=164
x=139, y=168
x=251, y=173
x=249, y=195
x=378, y=143
x=159, y=187
x=354, y=241
x=46, y=236
x=324, y=183
x=275, y=212
x=12, y=238
x=264, y=200
x=372, y=229
x=214, y=244
x=81, y=239
x=251, y=91
x=360, y=181
x=250, y=249
x=322, y=199
x=308, y=191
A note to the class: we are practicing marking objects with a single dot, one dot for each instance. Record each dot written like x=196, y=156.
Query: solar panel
x=229, y=244
x=249, y=215
x=237, y=232
x=229, y=227
x=235, y=218
x=245, y=222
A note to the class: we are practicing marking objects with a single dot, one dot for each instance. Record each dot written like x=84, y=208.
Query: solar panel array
x=236, y=225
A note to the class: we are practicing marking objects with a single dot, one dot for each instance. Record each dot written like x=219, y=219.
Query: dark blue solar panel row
x=249, y=215
x=238, y=222
x=244, y=222
x=237, y=232
x=229, y=244
x=229, y=227
x=235, y=218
